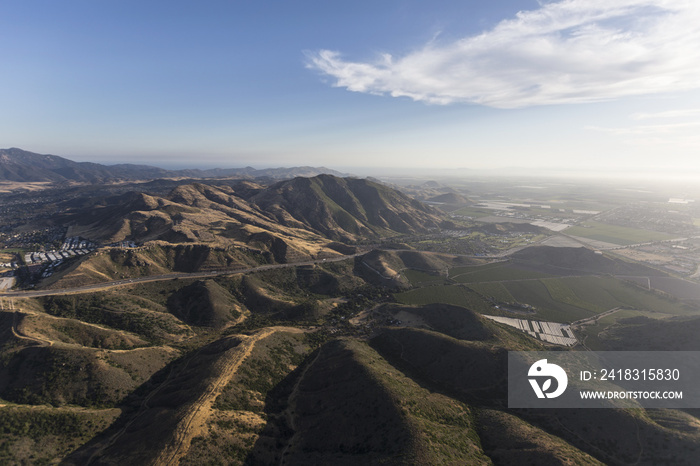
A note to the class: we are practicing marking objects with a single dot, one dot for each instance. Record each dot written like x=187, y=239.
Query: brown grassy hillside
x=348, y=406
x=345, y=209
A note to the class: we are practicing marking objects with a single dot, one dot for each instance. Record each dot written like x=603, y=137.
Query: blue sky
x=573, y=84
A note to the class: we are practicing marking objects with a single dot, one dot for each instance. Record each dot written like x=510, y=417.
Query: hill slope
x=350, y=406
x=198, y=226
x=450, y=198
x=345, y=209
x=322, y=207
x=577, y=260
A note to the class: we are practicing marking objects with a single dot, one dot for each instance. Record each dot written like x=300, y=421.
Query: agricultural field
x=680, y=288
x=571, y=298
x=447, y=294
x=614, y=234
x=536, y=294
x=495, y=272
x=555, y=299
x=495, y=290
x=498, y=243
x=473, y=212
x=417, y=277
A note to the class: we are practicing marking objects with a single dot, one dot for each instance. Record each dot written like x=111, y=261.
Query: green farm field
x=563, y=299
x=495, y=272
x=447, y=294
x=473, y=212
x=417, y=277
x=571, y=298
x=495, y=290
x=616, y=234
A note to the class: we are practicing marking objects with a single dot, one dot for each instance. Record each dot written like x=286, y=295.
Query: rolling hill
x=450, y=198
x=199, y=227
x=577, y=260
x=268, y=368
x=322, y=207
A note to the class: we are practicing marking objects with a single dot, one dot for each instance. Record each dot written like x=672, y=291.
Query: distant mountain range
x=24, y=166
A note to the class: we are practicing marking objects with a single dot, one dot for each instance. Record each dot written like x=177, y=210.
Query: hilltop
x=345, y=209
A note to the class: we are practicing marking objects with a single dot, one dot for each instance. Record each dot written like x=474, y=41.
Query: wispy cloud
x=672, y=129
x=570, y=51
x=667, y=114
x=679, y=135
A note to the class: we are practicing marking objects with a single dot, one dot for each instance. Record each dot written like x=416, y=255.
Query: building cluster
x=30, y=239
x=71, y=247
x=654, y=217
x=123, y=244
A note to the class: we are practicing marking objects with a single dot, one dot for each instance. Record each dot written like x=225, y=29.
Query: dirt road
x=194, y=421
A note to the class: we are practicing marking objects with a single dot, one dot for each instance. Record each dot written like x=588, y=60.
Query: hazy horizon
x=457, y=172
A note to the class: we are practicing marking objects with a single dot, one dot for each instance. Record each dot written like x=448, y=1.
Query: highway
x=198, y=275
x=167, y=276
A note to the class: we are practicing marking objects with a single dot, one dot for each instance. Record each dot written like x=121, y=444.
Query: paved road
x=164, y=277
x=196, y=275
x=595, y=317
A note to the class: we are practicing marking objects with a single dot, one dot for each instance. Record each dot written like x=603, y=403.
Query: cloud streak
x=668, y=114
x=681, y=133
x=571, y=51
x=672, y=129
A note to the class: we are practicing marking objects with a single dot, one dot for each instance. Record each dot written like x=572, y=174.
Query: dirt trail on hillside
x=23, y=336
x=193, y=423
x=43, y=341
x=167, y=348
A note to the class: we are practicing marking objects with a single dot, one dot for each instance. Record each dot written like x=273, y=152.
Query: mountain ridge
x=324, y=206
x=199, y=226
x=19, y=165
